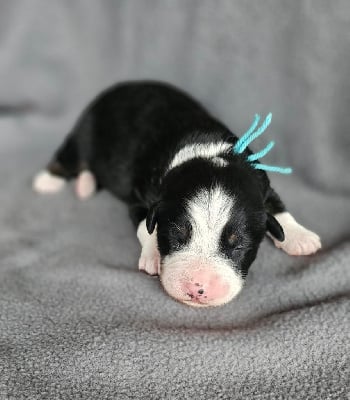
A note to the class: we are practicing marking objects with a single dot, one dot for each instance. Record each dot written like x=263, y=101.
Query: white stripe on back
x=209, y=151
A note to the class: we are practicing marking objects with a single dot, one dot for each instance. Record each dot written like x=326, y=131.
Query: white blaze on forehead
x=210, y=151
x=209, y=211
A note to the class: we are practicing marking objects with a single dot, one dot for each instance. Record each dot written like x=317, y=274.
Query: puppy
x=201, y=211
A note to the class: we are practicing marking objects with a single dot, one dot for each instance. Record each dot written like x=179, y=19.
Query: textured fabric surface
x=77, y=319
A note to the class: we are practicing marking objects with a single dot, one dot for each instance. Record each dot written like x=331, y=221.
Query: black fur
x=127, y=137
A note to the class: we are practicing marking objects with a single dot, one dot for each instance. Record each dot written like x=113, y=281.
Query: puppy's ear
x=273, y=226
x=152, y=216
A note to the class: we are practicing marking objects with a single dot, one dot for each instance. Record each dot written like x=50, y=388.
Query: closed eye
x=234, y=242
x=232, y=239
x=239, y=248
x=180, y=234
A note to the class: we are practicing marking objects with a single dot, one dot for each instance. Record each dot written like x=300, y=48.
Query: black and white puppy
x=201, y=212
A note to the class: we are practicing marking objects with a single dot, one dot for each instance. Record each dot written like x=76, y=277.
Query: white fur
x=298, y=240
x=47, y=183
x=210, y=151
x=85, y=185
x=209, y=211
x=219, y=161
x=149, y=260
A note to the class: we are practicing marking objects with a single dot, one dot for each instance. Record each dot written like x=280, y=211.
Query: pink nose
x=204, y=286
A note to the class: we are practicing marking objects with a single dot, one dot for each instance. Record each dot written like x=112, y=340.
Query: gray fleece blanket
x=77, y=319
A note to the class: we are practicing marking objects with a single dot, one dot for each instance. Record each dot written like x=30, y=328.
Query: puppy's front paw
x=150, y=262
x=298, y=241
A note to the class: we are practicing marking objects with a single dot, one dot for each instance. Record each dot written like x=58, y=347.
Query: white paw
x=150, y=262
x=298, y=241
x=85, y=185
x=45, y=182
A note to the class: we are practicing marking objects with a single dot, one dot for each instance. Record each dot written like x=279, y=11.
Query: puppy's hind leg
x=297, y=239
x=62, y=167
x=85, y=185
x=71, y=160
x=46, y=182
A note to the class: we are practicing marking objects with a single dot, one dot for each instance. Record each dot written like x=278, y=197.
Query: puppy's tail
x=71, y=160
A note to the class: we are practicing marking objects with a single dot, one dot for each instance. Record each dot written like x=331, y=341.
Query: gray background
x=77, y=320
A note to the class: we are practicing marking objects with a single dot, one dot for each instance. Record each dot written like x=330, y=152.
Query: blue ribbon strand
x=262, y=153
x=237, y=147
x=273, y=168
x=249, y=137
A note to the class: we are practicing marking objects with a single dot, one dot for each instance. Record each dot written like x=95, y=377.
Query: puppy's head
x=207, y=239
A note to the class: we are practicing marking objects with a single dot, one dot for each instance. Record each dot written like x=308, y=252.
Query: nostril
x=190, y=294
x=200, y=291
